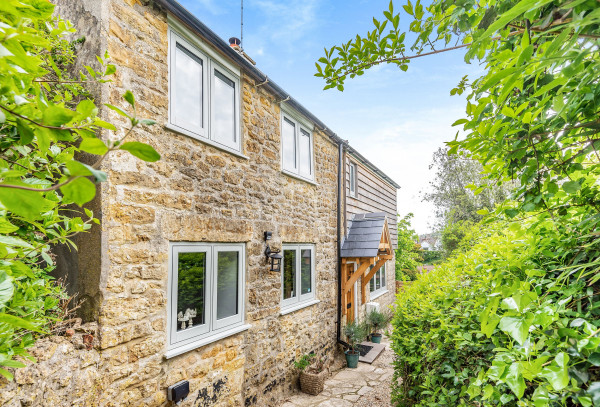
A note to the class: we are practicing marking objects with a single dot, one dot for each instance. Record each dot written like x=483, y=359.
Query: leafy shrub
x=304, y=361
x=431, y=256
x=512, y=321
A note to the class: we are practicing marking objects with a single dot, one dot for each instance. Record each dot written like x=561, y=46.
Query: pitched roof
x=364, y=235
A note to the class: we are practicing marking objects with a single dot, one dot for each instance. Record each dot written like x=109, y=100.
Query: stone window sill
x=297, y=307
x=377, y=294
x=291, y=174
x=205, y=341
x=204, y=140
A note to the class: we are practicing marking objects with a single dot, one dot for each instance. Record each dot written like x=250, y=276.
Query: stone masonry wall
x=199, y=193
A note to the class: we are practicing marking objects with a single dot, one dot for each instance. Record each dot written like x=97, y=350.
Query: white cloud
x=288, y=21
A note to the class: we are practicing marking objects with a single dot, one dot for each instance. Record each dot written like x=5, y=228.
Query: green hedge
x=512, y=321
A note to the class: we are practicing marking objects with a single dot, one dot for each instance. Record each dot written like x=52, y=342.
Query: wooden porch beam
x=368, y=278
x=359, y=271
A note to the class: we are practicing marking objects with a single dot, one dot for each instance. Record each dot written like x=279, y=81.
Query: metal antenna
x=242, y=29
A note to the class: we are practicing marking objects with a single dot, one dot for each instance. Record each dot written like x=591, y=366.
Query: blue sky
x=396, y=119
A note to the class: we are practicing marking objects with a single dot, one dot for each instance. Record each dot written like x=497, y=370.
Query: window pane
x=372, y=283
x=383, y=276
x=378, y=279
x=305, y=153
x=227, y=284
x=223, y=97
x=289, y=145
x=352, y=179
x=187, y=100
x=191, y=278
x=305, y=271
x=289, y=274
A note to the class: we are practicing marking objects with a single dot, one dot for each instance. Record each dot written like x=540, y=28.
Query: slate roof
x=364, y=235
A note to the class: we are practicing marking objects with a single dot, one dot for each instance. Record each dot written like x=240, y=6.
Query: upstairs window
x=377, y=284
x=296, y=148
x=203, y=96
x=298, y=275
x=352, y=178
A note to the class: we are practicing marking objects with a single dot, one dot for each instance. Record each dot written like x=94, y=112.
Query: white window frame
x=381, y=290
x=299, y=125
x=212, y=329
x=211, y=61
x=352, y=172
x=299, y=299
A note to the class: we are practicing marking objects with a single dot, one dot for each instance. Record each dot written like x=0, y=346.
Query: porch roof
x=364, y=235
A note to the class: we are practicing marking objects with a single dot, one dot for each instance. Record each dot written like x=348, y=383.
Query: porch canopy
x=368, y=244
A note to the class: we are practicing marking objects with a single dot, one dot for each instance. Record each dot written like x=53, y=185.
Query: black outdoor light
x=273, y=255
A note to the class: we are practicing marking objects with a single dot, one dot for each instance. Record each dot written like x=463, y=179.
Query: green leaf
x=28, y=204
x=147, y=122
x=141, y=150
x=128, y=96
x=6, y=226
x=594, y=391
x=80, y=191
x=116, y=109
x=557, y=375
x=540, y=397
x=517, y=327
x=514, y=379
x=87, y=108
x=18, y=322
x=56, y=116
x=93, y=145
x=571, y=187
x=6, y=288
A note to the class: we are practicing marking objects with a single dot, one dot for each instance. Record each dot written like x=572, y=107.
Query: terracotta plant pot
x=352, y=358
x=312, y=383
x=376, y=338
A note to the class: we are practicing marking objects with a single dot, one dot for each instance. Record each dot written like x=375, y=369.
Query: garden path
x=367, y=385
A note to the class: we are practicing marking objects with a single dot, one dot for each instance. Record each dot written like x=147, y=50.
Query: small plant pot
x=376, y=338
x=312, y=383
x=352, y=358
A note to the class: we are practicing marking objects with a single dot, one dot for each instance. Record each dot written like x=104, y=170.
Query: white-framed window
x=206, y=297
x=297, y=275
x=204, y=94
x=377, y=283
x=352, y=179
x=296, y=147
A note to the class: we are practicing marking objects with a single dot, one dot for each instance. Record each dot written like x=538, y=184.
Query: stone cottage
x=176, y=276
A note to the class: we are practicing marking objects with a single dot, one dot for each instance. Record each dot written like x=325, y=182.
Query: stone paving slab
x=347, y=387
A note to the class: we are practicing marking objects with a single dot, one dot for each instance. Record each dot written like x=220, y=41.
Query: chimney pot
x=234, y=42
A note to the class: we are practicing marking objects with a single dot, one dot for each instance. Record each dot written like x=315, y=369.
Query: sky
x=395, y=119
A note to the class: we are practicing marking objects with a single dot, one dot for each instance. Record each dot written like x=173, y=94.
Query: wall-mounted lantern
x=273, y=256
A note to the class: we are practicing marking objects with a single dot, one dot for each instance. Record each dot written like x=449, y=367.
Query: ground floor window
x=377, y=283
x=205, y=290
x=298, y=275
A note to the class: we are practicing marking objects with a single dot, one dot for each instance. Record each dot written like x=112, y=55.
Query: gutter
x=187, y=19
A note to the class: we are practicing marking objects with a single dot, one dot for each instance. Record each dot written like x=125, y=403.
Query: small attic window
x=352, y=178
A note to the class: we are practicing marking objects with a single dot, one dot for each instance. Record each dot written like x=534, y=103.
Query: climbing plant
x=47, y=118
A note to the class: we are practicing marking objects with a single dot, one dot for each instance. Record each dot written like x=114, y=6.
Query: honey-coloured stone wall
x=196, y=193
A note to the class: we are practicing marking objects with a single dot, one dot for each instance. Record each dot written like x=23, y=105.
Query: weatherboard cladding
x=364, y=235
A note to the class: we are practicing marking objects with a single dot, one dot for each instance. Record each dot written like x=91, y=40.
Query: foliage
x=355, y=332
x=452, y=189
x=378, y=320
x=44, y=114
x=408, y=254
x=458, y=235
x=431, y=256
x=513, y=321
x=304, y=361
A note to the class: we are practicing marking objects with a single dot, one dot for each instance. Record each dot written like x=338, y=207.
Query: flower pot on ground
x=355, y=333
x=312, y=374
x=377, y=321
